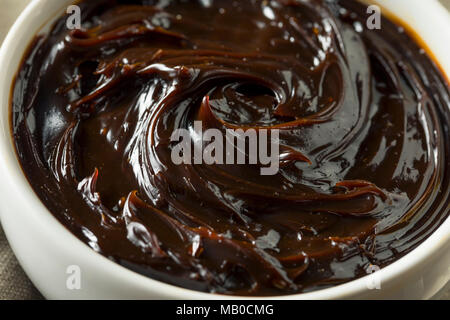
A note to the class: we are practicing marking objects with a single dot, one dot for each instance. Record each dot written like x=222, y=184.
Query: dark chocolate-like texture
x=363, y=118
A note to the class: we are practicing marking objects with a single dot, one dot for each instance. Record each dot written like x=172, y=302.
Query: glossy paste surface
x=363, y=117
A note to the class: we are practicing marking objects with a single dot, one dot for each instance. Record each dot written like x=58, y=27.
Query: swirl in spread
x=361, y=116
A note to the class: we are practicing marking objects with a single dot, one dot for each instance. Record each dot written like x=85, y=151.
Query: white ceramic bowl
x=45, y=248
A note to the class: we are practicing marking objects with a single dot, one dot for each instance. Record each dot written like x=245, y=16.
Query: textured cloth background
x=14, y=284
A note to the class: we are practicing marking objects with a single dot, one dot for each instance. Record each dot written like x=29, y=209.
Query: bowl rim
x=30, y=205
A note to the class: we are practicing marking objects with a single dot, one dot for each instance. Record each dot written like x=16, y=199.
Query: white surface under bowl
x=45, y=248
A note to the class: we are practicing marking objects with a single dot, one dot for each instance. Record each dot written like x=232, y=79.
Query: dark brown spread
x=363, y=120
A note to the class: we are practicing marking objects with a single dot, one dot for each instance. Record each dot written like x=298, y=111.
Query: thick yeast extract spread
x=362, y=117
